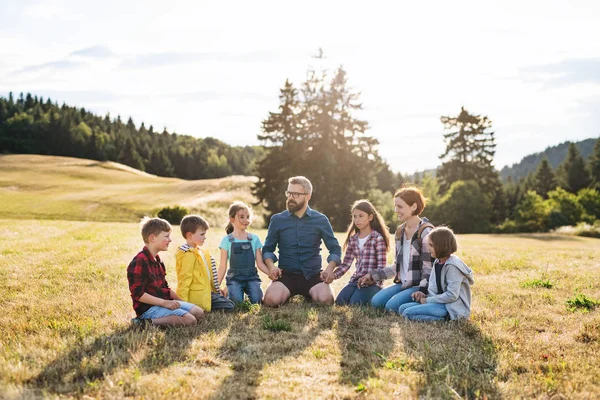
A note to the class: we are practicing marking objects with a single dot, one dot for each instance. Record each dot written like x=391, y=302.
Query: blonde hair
x=153, y=226
x=233, y=210
x=191, y=223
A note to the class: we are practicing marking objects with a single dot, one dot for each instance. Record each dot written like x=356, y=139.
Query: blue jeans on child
x=423, y=312
x=393, y=297
x=251, y=288
x=353, y=295
x=161, y=312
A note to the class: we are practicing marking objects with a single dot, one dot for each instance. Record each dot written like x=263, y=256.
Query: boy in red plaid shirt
x=153, y=300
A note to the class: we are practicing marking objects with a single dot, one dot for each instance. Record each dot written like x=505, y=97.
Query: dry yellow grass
x=64, y=326
x=66, y=309
x=49, y=187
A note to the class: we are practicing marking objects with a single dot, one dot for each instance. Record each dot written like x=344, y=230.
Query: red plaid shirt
x=371, y=257
x=147, y=274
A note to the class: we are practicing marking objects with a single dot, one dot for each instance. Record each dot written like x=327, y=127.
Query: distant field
x=66, y=309
x=64, y=188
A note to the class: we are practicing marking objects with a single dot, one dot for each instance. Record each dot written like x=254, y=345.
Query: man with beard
x=298, y=233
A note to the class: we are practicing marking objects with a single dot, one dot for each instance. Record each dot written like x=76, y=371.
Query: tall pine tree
x=544, y=179
x=315, y=133
x=470, y=149
x=595, y=164
x=573, y=172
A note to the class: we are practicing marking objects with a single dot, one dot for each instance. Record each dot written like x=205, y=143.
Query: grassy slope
x=64, y=326
x=48, y=187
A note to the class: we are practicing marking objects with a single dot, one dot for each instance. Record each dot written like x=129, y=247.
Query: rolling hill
x=51, y=187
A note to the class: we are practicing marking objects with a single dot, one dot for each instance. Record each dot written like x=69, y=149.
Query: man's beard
x=293, y=205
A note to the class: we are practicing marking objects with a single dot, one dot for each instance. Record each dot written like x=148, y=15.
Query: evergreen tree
x=129, y=156
x=595, y=164
x=315, y=133
x=573, y=172
x=470, y=149
x=544, y=179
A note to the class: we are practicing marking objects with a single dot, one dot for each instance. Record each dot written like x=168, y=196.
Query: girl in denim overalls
x=243, y=251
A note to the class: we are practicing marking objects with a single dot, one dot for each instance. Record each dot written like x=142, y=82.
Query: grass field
x=64, y=326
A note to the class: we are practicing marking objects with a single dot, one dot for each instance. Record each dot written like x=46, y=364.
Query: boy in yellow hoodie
x=197, y=280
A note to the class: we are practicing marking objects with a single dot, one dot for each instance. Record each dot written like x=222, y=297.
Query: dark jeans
x=352, y=294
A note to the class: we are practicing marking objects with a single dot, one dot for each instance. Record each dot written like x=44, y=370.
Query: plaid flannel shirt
x=419, y=268
x=147, y=274
x=370, y=258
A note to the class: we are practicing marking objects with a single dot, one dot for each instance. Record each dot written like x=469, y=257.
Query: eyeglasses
x=294, y=194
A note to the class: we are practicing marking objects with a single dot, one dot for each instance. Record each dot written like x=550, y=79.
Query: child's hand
x=423, y=300
x=416, y=296
x=274, y=273
x=365, y=280
x=224, y=291
x=171, y=304
x=327, y=275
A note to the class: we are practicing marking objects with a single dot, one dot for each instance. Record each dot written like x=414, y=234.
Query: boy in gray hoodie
x=449, y=290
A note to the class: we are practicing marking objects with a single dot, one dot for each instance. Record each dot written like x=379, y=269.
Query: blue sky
x=208, y=69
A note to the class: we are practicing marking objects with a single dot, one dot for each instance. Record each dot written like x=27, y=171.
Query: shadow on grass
x=365, y=341
x=149, y=350
x=251, y=346
x=455, y=358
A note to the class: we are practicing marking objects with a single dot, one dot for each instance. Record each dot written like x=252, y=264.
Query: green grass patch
x=276, y=325
x=538, y=283
x=581, y=302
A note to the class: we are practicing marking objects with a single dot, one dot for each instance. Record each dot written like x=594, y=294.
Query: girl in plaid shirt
x=413, y=257
x=367, y=242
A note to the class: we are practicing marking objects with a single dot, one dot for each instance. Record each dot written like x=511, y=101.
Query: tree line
x=33, y=125
x=316, y=132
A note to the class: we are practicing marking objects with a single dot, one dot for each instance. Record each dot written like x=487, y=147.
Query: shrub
x=531, y=213
x=173, y=214
x=590, y=201
x=465, y=208
x=565, y=209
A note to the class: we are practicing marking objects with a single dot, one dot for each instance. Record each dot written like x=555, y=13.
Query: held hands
x=171, y=304
x=327, y=275
x=419, y=297
x=274, y=273
x=365, y=280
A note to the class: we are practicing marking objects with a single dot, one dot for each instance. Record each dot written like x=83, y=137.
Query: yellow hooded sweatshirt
x=195, y=280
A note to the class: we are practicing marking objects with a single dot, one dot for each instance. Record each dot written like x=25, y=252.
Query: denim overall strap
x=242, y=262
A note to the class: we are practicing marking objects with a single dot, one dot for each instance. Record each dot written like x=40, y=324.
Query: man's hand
x=327, y=275
x=170, y=304
x=274, y=273
x=417, y=296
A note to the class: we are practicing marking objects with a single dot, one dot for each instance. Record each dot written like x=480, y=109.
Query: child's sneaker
x=140, y=323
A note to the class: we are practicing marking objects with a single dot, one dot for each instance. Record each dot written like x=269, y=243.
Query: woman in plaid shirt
x=367, y=242
x=413, y=257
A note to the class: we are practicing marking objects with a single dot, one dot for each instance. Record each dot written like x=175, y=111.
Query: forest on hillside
x=33, y=125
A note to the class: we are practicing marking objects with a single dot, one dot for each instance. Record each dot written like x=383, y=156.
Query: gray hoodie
x=457, y=279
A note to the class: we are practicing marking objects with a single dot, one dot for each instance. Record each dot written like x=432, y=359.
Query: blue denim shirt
x=299, y=242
